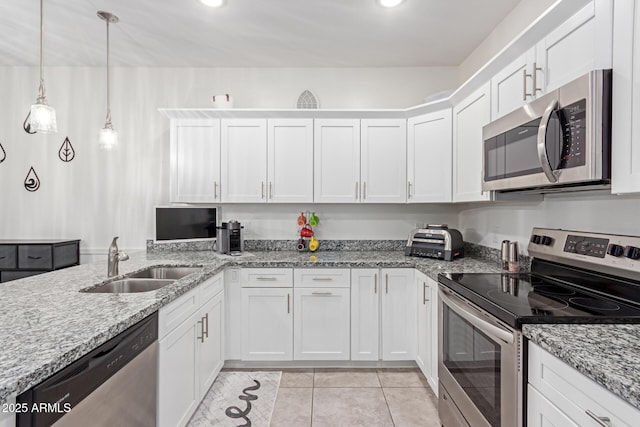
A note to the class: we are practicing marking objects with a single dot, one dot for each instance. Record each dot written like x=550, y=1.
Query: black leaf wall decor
x=66, y=152
x=3, y=154
x=32, y=182
x=26, y=125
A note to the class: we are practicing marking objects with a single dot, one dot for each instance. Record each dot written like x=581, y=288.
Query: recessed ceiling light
x=388, y=3
x=213, y=3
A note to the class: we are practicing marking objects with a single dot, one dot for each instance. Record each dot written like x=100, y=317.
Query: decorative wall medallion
x=27, y=124
x=32, y=182
x=66, y=152
x=3, y=154
x=307, y=100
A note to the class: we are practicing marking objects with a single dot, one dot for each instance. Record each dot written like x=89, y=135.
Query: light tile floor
x=354, y=397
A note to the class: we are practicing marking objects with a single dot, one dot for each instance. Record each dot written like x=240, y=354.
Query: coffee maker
x=229, y=238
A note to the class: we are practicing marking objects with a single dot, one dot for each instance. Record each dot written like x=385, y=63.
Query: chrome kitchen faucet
x=114, y=257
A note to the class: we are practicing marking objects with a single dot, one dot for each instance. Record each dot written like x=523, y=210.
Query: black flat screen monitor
x=185, y=223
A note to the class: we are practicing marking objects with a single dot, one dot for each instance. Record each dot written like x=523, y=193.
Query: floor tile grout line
x=384, y=396
x=313, y=393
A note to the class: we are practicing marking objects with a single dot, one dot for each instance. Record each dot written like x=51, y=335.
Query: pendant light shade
x=42, y=117
x=108, y=136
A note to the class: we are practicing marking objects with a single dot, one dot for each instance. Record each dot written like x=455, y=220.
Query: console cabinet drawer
x=35, y=257
x=8, y=256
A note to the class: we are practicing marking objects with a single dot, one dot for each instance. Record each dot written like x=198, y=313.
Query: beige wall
x=516, y=21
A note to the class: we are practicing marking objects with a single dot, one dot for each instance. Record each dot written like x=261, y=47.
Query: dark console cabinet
x=22, y=258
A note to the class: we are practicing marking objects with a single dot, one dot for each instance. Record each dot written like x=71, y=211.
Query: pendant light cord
x=108, y=123
x=41, y=89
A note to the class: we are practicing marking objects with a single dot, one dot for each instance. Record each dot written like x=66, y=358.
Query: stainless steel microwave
x=561, y=141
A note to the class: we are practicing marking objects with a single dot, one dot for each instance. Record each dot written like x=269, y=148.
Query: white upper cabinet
x=244, y=160
x=577, y=46
x=469, y=116
x=336, y=161
x=290, y=161
x=625, y=160
x=580, y=44
x=195, y=161
x=383, y=160
x=429, y=157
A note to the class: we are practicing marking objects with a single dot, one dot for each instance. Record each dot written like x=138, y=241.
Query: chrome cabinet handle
x=409, y=189
x=201, y=337
x=270, y=190
x=215, y=189
x=267, y=279
x=386, y=283
x=34, y=257
x=542, y=142
x=321, y=293
x=357, y=190
x=262, y=189
x=602, y=421
x=205, y=326
x=288, y=303
x=424, y=293
x=524, y=84
x=535, y=78
x=364, y=190
x=322, y=279
x=375, y=283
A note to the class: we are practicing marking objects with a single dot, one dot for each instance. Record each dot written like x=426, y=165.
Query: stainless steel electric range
x=576, y=277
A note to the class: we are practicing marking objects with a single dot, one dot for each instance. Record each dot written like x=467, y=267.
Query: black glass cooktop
x=532, y=298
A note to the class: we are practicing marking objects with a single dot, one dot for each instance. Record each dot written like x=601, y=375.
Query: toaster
x=435, y=241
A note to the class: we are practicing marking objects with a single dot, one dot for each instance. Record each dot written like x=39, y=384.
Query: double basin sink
x=149, y=279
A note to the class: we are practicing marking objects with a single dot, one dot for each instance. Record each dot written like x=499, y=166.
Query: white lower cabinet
x=191, y=349
x=398, y=314
x=559, y=395
x=427, y=350
x=365, y=314
x=267, y=324
x=321, y=323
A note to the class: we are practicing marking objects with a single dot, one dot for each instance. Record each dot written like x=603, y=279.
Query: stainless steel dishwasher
x=114, y=385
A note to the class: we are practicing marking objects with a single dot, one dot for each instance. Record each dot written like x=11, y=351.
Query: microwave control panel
x=572, y=128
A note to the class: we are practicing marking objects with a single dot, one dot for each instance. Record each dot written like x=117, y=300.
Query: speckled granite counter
x=608, y=354
x=45, y=323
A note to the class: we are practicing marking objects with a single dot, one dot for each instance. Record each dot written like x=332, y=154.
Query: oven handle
x=542, y=142
x=486, y=327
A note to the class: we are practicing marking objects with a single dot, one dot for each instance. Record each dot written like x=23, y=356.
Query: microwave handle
x=542, y=142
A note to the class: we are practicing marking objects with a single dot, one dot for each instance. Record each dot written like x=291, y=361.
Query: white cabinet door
x=321, y=323
x=290, y=160
x=469, y=116
x=581, y=44
x=625, y=155
x=233, y=314
x=267, y=324
x=336, y=161
x=178, y=373
x=384, y=160
x=365, y=314
x=195, y=161
x=424, y=325
x=399, y=314
x=432, y=287
x=212, y=341
x=244, y=160
x=542, y=413
x=512, y=87
x=429, y=157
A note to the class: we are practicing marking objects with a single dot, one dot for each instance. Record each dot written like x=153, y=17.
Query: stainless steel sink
x=173, y=273
x=130, y=285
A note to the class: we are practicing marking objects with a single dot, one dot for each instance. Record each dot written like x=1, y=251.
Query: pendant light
x=108, y=135
x=42, y=116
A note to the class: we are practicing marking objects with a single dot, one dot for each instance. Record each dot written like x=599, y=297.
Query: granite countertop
x=608, y=354
x=45, y=323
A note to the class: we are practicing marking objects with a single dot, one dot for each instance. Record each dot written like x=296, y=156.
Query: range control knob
x=615, y=250
x=632, y=252
x=546, y=240
x=536, y=239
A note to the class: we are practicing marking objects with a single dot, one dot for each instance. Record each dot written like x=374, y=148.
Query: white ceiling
x=249, y=33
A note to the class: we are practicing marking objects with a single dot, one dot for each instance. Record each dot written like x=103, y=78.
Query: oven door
x=560, y=138
x=478, y=365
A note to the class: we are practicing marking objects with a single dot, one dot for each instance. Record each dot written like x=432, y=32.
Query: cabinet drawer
x=266, y=277
x=8, y=256
x=211, y=288
x=65, y=255
x=35, y=257
x=172, y=315
x=6, y=276
x=575, y=393
x=322, y=277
